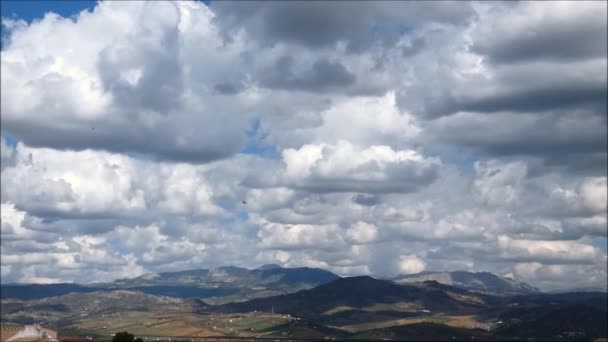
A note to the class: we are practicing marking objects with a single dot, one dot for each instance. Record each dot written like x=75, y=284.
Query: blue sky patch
x=256, y=144
x=30, y=10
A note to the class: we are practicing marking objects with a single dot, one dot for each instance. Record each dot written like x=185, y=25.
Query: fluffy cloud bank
x=367, y=138
x=138, y=87
x=343, y=168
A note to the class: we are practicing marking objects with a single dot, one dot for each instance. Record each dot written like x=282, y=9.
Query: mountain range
x=223, y=284
x=272, y=301
x=230, y=283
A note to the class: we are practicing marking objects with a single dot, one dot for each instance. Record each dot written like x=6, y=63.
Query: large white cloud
x=547, y=251
x=89, y=183
x=346, y=168
x=409, y=264
x=287, y=237
x=361, y=232
x=124, y=77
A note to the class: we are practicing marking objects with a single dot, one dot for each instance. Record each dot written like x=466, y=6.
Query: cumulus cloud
x=532, y=86
x=297, y=236
x=131, y=90
x=372, y=138
x=29, y=255
x=361, y=120
x=323, y=76
x=534, y=134
x=7, y=154
x=93, y=184
x=362, y=232
x=547, y=30
x=319, y=25
x=594, y=194
x=551, y=276
x=409, y=264
x=345, y=168
x=547, y=251
x=508, y=88
x=499, y=184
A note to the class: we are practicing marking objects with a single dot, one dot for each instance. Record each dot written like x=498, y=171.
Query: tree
x=125, y=337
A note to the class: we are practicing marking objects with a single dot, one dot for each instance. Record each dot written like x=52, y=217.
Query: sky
x=378, y=138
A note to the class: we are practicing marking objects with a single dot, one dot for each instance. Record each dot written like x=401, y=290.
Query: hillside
x=38, y=291
x=570, y=321
x=360, y=299
x=61, y=310
x=481, y=282
x=423, y=332
x=372, y=308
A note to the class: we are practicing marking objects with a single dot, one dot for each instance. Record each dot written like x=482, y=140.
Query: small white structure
x=34, y=331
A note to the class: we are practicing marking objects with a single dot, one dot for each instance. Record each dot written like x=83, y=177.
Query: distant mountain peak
x=269, y=267
x=482, y=282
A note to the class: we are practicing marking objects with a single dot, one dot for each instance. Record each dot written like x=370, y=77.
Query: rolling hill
x=38, y=291
x=360, y=299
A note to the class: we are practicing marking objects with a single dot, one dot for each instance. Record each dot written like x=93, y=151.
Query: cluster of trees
x=126, y=337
